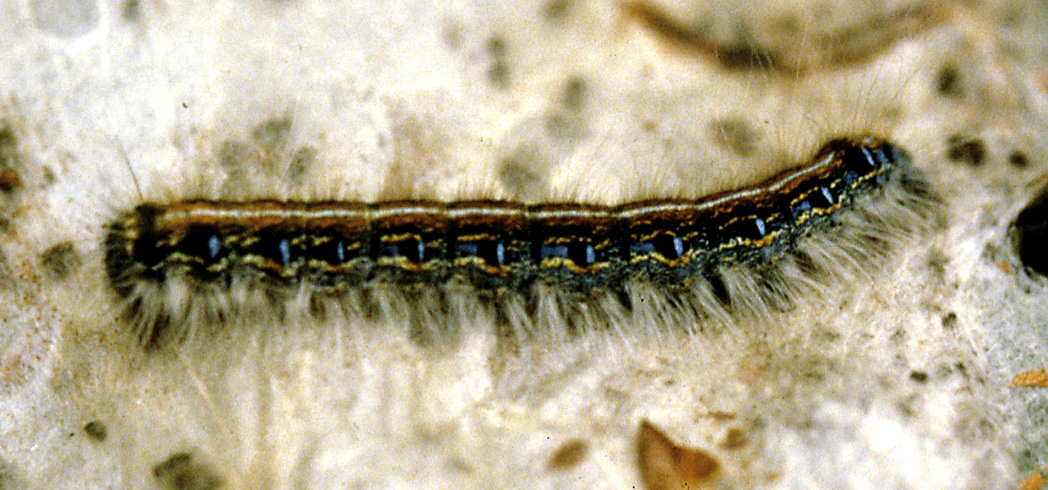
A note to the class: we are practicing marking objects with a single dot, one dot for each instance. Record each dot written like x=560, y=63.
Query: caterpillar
x=725, y=254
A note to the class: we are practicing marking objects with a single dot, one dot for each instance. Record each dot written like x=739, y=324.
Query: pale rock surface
x=900, y=381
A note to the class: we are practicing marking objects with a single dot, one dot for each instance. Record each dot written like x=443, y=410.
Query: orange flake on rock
x=1030, y=378
x=1033, y=482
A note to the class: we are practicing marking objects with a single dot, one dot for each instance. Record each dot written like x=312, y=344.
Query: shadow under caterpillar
x=443, y=265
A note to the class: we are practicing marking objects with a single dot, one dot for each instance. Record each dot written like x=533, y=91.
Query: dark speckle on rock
x=556, y=10
x=273, y=134
x=498, y=73
x=183, y=471
x=948, y=82
x=735, y=135
x=60, y=260
x=523, y=177
x=970, y=151
x=575, y=92
x=1018, y=159
x=96, y=430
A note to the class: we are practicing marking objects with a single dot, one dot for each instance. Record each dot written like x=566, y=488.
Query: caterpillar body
x=720, y=255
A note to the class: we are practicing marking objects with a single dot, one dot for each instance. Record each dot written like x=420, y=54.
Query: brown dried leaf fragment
x=568, y=456
x=664, y=465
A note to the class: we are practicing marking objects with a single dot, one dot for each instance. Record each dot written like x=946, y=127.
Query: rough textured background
x=901, y=381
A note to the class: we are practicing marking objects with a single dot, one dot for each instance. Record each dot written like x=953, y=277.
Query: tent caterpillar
x=222, y=260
